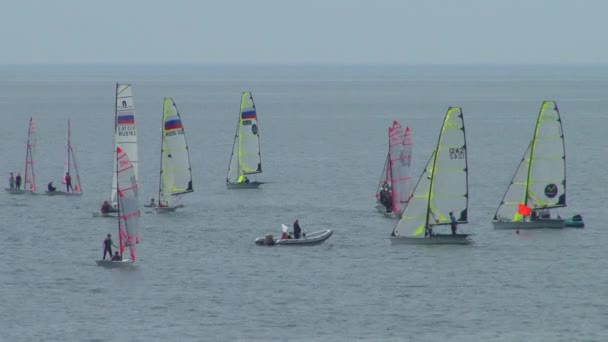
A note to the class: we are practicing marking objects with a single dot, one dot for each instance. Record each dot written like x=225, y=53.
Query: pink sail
x=395, y=149
x=70, y=165
x=128, y=206
x=29, y=178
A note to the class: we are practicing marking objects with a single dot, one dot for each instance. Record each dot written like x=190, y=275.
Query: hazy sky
x=309, y=31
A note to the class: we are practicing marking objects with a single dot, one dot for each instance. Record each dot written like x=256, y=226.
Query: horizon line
x=279, y=64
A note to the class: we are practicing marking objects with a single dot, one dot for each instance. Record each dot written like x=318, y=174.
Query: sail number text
x=126, y=131
x=457, y=152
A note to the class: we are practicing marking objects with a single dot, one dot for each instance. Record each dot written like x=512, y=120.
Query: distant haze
x=304, y=32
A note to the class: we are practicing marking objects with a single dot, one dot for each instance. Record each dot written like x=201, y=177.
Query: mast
x=236, y=136
x=162, y=138
x=532, y=144
x=27, y=154
x=118, y=205
x=69, y=147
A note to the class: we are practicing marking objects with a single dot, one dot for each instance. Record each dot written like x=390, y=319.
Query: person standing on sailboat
x=107, y=246
x=453, y=223
x=68, y=182
x=11, y=181
x=18, y=181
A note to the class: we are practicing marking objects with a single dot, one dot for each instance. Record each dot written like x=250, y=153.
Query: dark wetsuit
x=296, y=230
x=68, y=183
x=107, y=248
x=18, y=182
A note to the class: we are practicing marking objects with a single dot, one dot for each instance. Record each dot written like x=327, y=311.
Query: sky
x=303, y=32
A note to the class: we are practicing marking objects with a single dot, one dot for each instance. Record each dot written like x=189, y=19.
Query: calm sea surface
x=324, y=139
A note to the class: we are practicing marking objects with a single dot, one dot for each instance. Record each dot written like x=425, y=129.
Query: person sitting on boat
x=106, y=207
x=107, y=246
x=116, y=257
x=385, y=199
x=297, y=231
x=68, y=182
x=50, y=187
x=453, y=223
x=428, y=231
x=246, y=180
x=545, y=213
x=534, y=215
x=152, y=203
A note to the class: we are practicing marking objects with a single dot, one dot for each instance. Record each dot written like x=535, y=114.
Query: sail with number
x=245, y=159
x=443, y=185
x=125, y=132
x=128, y=205
x=70, y=166
x=540, y=178
x=175, y=170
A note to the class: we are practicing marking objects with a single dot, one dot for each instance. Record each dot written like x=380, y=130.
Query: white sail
x=540, y=178
x=125, y=132
x=70, y=166
x=128, y=204
x=245, y=158
x=175, y=170
x=443, y=186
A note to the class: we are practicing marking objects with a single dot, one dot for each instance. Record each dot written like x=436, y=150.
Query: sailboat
x=245, y=161
x=125, y=132
x=396, y=171
x=441, y=190
x=128, y=211
x=539, y=183
x=71, y=177
x=29, y=184
x=175, y=170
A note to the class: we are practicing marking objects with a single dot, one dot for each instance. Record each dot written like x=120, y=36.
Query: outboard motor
x=269, y=240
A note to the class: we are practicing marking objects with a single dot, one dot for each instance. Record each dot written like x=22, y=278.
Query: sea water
x=323, y=132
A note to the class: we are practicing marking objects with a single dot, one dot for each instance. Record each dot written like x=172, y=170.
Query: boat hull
x=574, y=224
x=437, y=239
x=310, y=239
x=164, y=210
x=18, y=191
x=62, y=193
x=250, y=185
x=536, y=224
x=111, y=214
x=392, y=215
x=115, y=264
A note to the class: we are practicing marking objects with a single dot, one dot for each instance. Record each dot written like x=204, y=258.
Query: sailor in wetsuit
x=68, y=182
x=107, y=246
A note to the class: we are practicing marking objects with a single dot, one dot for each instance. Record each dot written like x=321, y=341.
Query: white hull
x=115, y=264
x=251, y=185
x=98, y=214
x=164, y=210
x=62, y=193
x=437, y=239
x=310, y=239
x=536, y=224
x=18, y=191
x=392, y=215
